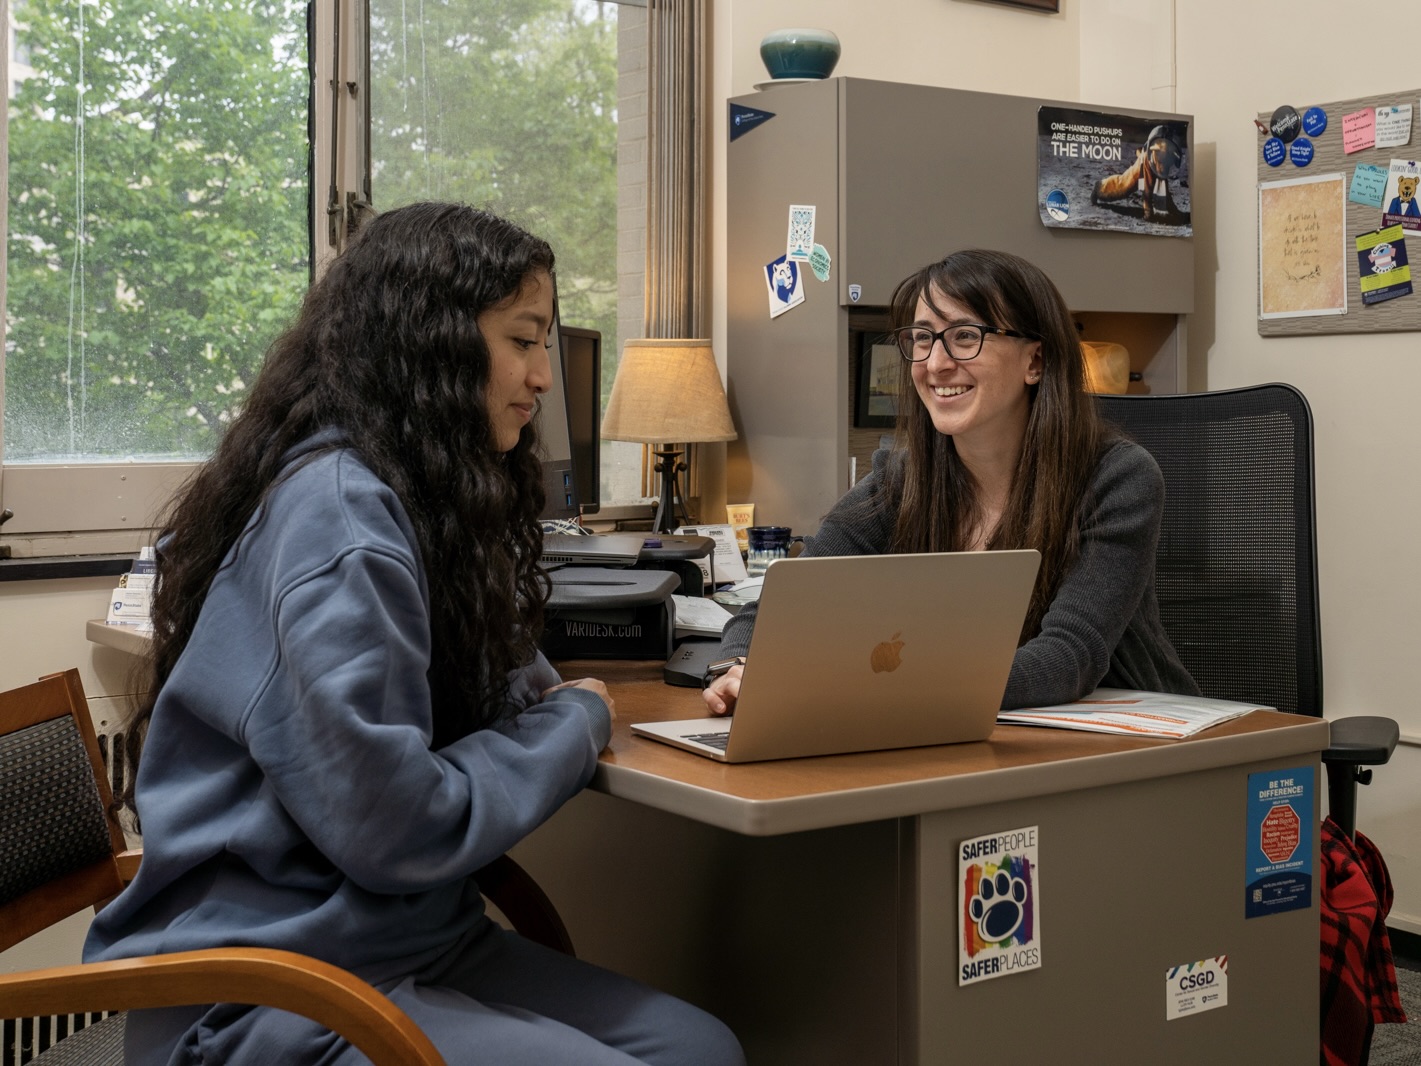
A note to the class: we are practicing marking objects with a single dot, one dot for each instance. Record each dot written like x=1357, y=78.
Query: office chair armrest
x=314, y=989
x=128, y=862
x=1364, y=740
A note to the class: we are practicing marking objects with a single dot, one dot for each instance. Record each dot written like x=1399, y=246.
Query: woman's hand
x=720, y=695
x=591, y=684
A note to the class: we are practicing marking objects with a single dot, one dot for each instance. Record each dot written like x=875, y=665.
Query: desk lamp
x=667, y=392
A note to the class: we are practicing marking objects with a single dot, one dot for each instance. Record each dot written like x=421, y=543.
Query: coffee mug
x=767, y=543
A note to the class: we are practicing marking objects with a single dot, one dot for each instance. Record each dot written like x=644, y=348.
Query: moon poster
x=1102, y=171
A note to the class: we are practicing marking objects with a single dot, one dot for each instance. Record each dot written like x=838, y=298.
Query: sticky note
x=1368, y=185
x=1359, y=130
x=1393, y=125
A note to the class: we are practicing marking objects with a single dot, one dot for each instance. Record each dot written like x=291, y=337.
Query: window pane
x=510, y=105
x=158, y=232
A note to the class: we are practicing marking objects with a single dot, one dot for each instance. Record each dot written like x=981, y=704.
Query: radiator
x=24, y=1038
x=21, y=1039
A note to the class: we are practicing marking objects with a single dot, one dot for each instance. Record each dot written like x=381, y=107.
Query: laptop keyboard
x=711, y=740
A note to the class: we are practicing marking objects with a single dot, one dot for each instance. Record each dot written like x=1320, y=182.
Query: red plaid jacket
x=1358, y=978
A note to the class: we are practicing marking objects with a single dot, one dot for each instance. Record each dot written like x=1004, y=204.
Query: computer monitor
x=555, y=442
x=582, y=383
x=569, y=422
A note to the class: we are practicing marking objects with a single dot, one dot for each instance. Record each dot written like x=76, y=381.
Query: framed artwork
x=1040, y=5
x=876, y=394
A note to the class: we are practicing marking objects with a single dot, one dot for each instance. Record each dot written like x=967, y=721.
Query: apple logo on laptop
x=887, y=656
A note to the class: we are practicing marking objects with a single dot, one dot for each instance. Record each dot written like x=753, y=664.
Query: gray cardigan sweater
x=1103, y=626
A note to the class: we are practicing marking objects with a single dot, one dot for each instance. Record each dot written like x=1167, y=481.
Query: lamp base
x=669, y=466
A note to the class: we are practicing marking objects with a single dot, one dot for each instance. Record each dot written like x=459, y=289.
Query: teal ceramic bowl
x=800, y=53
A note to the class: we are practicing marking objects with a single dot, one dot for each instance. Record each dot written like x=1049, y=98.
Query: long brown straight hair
x=940, y=504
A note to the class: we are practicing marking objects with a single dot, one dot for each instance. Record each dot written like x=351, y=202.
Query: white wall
x=1233, y=61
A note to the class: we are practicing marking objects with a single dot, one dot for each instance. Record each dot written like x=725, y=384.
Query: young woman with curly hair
x=349, y=714
x=1004, y=449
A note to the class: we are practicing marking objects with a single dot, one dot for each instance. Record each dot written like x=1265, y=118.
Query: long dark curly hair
x=1064, y=434
x=387, y=349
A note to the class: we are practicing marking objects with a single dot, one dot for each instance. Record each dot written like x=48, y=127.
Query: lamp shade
x=1107, y=366
x=667, y=392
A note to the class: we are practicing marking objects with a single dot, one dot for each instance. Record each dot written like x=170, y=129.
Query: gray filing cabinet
x=900, y=175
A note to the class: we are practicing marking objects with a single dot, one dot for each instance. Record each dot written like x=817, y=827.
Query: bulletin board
x=1300, y=261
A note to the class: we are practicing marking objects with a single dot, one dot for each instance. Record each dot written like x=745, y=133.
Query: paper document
x=695, y=614
x=729, y=566
x=741, y=593
x=1149, y=714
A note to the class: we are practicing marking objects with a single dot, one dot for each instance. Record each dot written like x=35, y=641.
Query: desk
x=811, y=902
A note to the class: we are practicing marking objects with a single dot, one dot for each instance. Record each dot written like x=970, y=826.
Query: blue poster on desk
x=1279, y=870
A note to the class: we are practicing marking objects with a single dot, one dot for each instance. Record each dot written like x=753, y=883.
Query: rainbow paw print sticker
x=997, y=906
x=999, y=884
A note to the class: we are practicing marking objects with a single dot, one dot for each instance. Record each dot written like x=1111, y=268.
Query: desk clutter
x=131, y=603
x=632, y=595
x=598, y=612
x=614, y=594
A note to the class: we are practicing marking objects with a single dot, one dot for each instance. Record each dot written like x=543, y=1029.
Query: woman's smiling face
x=985, y=400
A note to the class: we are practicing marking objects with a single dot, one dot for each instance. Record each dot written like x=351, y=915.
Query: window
x=157, y=226
x=160, y=212
x=518, y=107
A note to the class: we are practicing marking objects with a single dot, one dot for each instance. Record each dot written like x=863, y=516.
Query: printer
x=598, y=612
x=611, y=592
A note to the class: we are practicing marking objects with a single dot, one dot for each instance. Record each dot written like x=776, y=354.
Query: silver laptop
x=859, y=653
x=592, y=549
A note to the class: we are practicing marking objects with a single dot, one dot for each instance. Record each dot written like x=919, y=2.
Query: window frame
x=62, y=509
x=83, y=508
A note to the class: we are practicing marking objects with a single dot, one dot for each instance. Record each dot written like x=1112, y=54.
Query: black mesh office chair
x=1236, y=571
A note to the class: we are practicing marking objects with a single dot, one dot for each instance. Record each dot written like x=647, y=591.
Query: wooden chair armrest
x=314, y=989
x=513, y=891
x=128, y=863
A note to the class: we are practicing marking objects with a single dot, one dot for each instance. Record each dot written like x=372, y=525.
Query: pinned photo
x=784, y=281
x=1382, y=269
x=1402, y=207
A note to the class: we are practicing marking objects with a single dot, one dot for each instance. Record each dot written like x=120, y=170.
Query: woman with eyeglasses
x=348, y=714
x=1004, y=449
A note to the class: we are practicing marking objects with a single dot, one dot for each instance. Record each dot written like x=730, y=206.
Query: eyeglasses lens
x=962, y=342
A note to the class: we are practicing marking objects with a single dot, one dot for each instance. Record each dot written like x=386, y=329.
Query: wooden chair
x=61, y=850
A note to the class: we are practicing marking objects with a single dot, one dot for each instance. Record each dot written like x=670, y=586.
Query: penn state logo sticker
x=855, y=293
x=1057, y=206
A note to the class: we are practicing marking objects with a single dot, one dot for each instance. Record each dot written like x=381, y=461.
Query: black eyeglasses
x=961, y=342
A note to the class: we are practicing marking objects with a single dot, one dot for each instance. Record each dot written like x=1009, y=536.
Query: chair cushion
x=100, y=1044
x=49, y=805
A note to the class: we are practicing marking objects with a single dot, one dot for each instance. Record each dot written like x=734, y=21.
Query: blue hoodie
x=288, y=792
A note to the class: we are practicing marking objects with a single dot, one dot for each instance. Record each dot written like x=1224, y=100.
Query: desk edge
x=792, y=814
